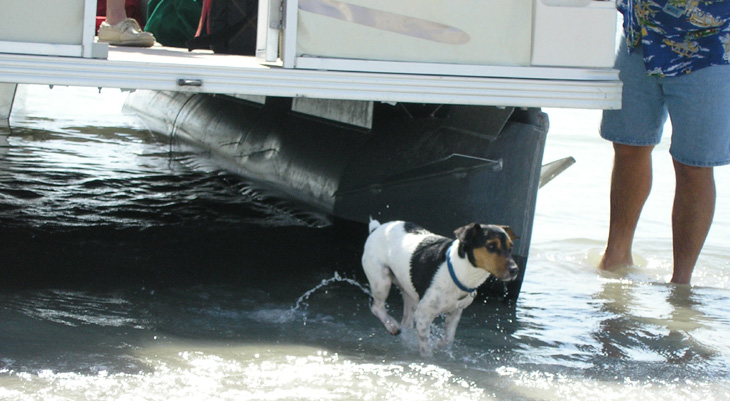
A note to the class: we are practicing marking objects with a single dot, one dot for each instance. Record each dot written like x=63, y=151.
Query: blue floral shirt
x=678, y=36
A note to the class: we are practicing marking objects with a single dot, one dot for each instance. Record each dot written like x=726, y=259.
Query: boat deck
x=164, y=68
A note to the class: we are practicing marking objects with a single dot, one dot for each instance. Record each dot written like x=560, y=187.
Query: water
x=133, y=269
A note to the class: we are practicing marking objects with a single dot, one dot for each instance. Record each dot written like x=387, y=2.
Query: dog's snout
x=512, y=270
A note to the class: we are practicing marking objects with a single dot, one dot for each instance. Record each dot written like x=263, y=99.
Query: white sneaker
x=125, y=33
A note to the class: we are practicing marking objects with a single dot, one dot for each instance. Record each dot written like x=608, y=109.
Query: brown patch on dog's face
x=510, y=233
x=489, y=248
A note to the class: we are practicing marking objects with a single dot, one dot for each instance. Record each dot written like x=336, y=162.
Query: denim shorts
x=698, y=105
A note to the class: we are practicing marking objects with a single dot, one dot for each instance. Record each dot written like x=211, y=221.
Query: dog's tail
x=374, y=224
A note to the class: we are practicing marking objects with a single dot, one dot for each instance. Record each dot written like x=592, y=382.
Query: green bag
x=173, y=22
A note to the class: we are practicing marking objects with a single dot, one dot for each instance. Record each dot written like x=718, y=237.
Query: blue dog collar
x=462, y=287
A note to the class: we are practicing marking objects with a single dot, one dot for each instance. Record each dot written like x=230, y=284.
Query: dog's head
x=489, y=247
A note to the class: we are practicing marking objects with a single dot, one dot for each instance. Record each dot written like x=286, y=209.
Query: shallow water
x=133, y=269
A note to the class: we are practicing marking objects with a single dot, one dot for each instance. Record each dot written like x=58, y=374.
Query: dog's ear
x=466, y=236
x=509, y=232
x=467, y=232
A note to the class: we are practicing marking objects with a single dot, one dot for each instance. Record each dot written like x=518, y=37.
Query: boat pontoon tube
x=439, y=166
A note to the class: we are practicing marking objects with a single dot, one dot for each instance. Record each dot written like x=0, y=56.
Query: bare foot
x=612, y=261
x=612, y=265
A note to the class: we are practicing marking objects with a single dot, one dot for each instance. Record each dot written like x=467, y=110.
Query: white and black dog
x=436, y=275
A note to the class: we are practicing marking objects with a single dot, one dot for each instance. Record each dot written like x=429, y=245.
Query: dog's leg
x=451, y=320
x=380, y=282
x=425, y=315
x=409, y=310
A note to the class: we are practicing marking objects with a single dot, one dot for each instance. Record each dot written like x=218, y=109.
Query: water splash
x=284, y=315
x=334, y=279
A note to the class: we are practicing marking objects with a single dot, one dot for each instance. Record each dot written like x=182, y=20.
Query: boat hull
x=439, y=166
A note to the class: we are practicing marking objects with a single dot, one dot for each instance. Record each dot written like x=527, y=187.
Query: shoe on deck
x=125, y=33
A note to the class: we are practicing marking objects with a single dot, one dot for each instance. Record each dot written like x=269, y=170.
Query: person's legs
x=634, y=130
x=630, y=186
x=115, y=12
x=694, y=208
x=698, y=104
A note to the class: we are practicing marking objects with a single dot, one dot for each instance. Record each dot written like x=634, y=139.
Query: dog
x=436, y=275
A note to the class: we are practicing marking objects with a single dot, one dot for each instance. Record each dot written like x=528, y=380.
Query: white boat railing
x=43, y=44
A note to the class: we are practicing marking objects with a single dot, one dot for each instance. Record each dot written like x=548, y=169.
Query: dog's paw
x=393, y=328
x=426, y=351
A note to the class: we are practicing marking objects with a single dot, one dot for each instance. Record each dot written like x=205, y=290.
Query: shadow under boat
x=441, y=166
